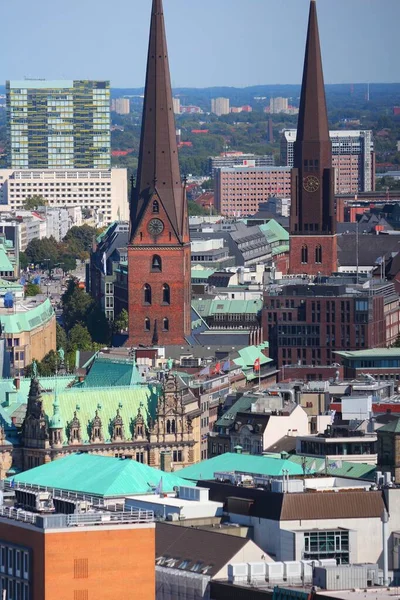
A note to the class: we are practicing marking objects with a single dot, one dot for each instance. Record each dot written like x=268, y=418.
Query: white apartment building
x=353, y=158
x=103, y=192
x=176, y=103
x=220, y=106
x=278, y=105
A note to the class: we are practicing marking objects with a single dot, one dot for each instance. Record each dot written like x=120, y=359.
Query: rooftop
x=371, y=353
x=243, y=463
x=99, y=476
x=25, y=316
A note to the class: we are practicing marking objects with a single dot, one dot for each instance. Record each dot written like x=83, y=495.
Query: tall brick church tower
x=159, y=281
x=313, y=242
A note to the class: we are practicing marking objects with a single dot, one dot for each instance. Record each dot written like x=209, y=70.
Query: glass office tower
x=58, y=124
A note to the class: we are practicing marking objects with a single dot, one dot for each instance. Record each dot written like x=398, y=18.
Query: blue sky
x=211, y=42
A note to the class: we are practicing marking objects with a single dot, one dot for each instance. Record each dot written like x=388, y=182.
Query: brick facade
x=173, y=271
x=313, y=254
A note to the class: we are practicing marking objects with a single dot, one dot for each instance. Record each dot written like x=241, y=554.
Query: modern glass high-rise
x=58, y=124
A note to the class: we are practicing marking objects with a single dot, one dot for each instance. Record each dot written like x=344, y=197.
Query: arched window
x=146, y=294
x=173, y=426
x=147, y=325
x=166, y=324
x=168, y=426
x=318, y=254
x=156, y=207
x=304, y=254
x=166, y=294
x=156, y=264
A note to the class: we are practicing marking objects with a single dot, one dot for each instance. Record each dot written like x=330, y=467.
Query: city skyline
x=271, y=55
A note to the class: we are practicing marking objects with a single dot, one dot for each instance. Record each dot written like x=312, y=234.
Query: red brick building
x=313, y=247
x=306, y=325
x=159, y=247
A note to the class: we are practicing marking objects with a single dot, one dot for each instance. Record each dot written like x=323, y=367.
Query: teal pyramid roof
x=100, y=476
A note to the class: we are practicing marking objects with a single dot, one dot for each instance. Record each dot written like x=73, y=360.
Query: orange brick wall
x=120, y=564
x=112, y=564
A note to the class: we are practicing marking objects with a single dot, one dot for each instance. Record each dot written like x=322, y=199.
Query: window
x=146, y=294
x=166, y=294
x=156, y=264
x=318, y=254
x=304, y=254
x=156, y=207
x=177, y=456
x=147, y=325
x=165, y=324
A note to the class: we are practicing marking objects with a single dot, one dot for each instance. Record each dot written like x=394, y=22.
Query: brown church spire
x=158, y=170
x=313, y=119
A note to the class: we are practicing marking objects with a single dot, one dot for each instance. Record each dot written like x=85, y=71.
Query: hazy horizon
x=220, y=44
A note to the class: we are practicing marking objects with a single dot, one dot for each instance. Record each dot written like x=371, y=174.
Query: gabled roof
x=107, y=401
x=100, y=476
x=195, y=550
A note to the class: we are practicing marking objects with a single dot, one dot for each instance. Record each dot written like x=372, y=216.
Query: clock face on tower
x=155, y=227
x=311, y=183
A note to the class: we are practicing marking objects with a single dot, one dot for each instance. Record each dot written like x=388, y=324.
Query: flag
x=159, y=487
x=226, y=365
x=104, y=263
x=217, y=368
x=257, y=365
x=12, y=483
x=205, y=371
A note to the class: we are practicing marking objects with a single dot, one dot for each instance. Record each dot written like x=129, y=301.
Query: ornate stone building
x=151, y=424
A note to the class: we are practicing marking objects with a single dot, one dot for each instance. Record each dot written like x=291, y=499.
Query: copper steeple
x=313, y=119
x=158, y=171
x=312, y=187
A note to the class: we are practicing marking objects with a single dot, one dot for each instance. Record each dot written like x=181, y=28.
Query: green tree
x=33, y=202
x=68, y=262
x=122, y=321
x=76, y=305
x=61, y=337
x=43, y=252
x=81, y=237
x=32, y=289
x=79, y=338
x=195, y=210
x=23, y=261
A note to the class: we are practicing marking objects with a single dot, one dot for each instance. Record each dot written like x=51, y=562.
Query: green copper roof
x=371, y=353
x=243, y=404
x=203, y=274
x=27, y=320
x=244, y=463
x=106, y=401
x=248, y=356
x=10, y=285
x=11, y=398
x=110, y=373
x=5, y=264
x=393, y=426
x=100, y=476
x=347, y=469
x=206, y=308
x=273, y=231
x=280, y=249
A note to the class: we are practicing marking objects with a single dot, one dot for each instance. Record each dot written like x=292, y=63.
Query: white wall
x=249, y=553
x=206, y=245
x=276, y=538
x=278, y=426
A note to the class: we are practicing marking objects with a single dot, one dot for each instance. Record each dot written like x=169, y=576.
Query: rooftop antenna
x=367, y=98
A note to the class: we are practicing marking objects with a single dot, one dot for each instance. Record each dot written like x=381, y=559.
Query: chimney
x=166, y=461
x=17, y=383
